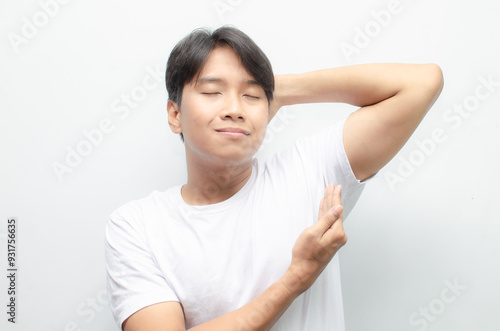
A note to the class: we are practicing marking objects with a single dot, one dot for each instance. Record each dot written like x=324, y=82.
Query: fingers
x=328, y=197
x=332, y=196
x=335, y=233
x=322, y=210
x=332, y=235
x=330, y=207
x=337, y=195
x=317, y=244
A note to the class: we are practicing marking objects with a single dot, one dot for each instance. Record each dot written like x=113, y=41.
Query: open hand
x=317, y=244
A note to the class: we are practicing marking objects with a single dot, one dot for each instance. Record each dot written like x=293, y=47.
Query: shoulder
x=135, y=212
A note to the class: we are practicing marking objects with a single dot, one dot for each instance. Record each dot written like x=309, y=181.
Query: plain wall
x=423, y=249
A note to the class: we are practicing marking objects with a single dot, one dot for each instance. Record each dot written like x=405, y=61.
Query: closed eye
x=210, y=93
x=252, y=97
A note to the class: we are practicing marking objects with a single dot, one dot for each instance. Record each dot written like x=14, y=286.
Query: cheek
x=264, y=117
x=260, y=123
x=193, y=113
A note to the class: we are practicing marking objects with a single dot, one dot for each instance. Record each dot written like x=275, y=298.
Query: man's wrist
x=293, y=282
x=286, y=89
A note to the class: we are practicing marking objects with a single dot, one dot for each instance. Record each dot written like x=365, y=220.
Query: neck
x=213, y=182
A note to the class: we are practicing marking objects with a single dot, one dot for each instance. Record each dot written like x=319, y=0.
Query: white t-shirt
x=216, y=258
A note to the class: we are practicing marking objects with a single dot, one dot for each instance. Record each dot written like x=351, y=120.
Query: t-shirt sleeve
x=324, y=158
x=134, y=281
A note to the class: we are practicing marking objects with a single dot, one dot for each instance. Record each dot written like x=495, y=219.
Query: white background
x=425, y=222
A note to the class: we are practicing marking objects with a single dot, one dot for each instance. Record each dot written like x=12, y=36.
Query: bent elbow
x=434, y=78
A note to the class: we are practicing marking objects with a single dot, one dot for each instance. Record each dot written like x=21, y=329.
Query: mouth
x=233, y=132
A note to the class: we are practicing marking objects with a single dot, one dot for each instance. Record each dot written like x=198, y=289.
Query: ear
x=174, y=117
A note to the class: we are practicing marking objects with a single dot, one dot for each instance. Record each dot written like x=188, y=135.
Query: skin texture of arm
x=394, y=99
x=313, y=250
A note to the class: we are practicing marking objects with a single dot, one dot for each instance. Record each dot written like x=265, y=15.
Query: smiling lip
x=233, y=132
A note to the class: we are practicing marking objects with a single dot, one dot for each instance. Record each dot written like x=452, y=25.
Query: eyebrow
x=210, y=79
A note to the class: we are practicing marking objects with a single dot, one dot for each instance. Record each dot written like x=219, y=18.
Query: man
x=237, y=247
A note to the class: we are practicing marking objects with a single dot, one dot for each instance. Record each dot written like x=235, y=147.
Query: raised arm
x=394, y=99
x=312, y=251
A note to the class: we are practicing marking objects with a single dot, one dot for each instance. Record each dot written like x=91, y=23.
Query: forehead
x=223, y=64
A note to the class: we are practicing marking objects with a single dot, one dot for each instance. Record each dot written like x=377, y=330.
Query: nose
x=233, y=108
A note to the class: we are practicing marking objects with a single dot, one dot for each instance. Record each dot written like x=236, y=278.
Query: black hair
x=191, y=53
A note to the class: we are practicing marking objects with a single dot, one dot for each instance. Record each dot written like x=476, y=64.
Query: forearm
x=311, y=253
x=262, y=312
x=359, y=85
